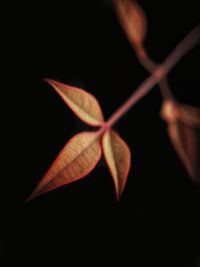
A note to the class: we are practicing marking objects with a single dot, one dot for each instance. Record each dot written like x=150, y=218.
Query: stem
x=166, y=90
x=150, y=65
x=159, y=72
x=187, y=44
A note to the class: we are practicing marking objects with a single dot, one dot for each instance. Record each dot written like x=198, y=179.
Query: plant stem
x=150, y=65
x=158, y=74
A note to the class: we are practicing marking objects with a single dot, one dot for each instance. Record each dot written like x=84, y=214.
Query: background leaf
x=185, y=140
x=190, y=115
x=182, y=123
x=82, y=103
x=78, y=158
x=132, y=19
x=118, y=158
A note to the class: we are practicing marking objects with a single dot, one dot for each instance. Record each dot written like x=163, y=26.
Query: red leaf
x=118, y=158
x=82, y=103
x=133, y=21
x=190, y=115
x=78, y=158
x=184, y=140
x=182, y=122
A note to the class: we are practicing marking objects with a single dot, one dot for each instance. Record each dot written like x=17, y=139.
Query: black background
x=81, y=43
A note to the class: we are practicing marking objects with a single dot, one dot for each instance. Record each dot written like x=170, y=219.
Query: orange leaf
x=172, y=111
x=118, y=158
x=190, y=115
x=182, y=121
x=82, y=103
x=78, y=158
x=132, y=19
x=184, y=140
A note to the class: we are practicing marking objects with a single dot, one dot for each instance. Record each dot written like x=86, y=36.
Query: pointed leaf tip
x=82, y=103
x=190, y=115
x=118, y=157
x=77, y=159
x=184, y=141
x=182, y=122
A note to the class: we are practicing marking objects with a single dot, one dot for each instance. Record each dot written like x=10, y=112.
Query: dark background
x=157, y=220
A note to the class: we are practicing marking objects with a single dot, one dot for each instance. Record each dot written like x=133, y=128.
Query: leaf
x=118, y=158
x=185, y=140
x=190, y=115
x=82, y=103
x=182, y=122
x=133, y=21
x=78, y=158
x=172, y=111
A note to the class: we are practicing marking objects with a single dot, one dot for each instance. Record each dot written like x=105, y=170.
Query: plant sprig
x=82, y=153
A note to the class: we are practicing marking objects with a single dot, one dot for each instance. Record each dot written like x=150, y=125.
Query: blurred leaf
x=182, y=123
x=133, y=21
x=190, y=115
x=184, y=140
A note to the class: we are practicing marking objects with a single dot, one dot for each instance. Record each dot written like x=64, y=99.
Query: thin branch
x=150, y=66
x=158, y=74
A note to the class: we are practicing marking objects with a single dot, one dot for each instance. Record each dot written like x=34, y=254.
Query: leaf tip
x=49, y=81
x=118, y=195
x=30, y=198
x=118, y=158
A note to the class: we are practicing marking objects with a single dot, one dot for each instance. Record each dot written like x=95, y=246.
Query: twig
x=158, y=74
